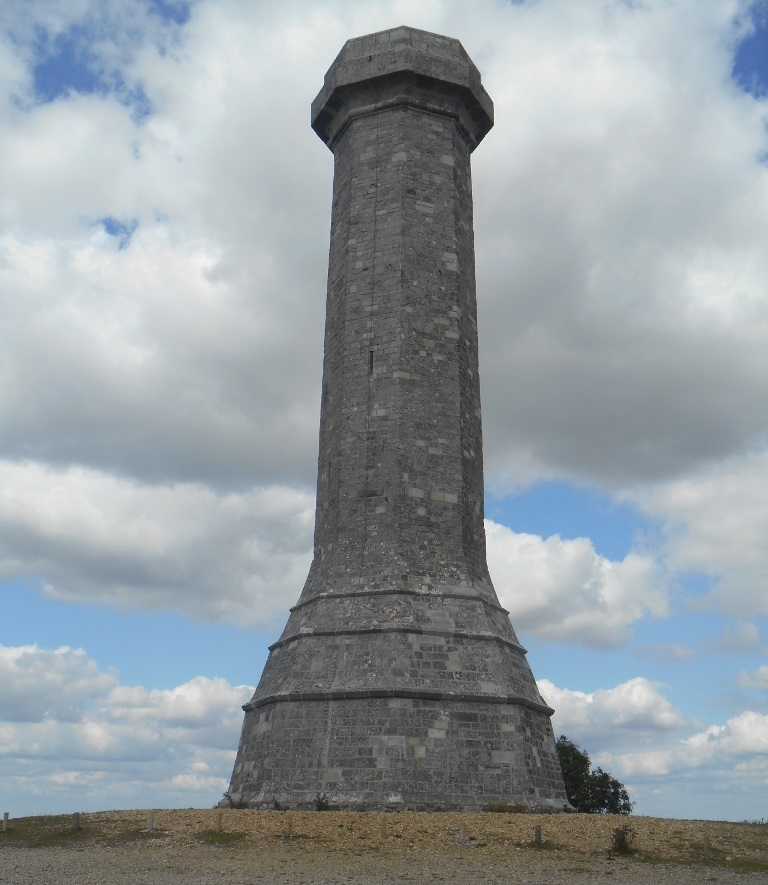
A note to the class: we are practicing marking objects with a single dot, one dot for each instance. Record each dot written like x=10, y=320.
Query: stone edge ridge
x=420, y=631
x=401, y=56
x=356, y=594
x=409, y=694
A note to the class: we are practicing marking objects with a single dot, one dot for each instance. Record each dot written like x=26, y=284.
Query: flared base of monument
x=397, y=754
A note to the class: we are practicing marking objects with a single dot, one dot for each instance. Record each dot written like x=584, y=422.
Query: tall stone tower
x=398, y=680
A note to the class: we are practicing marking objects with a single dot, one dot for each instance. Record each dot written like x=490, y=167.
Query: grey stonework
x=398, y=680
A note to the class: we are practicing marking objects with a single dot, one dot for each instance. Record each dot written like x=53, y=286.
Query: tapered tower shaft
x=398, y=679
x=400, y=490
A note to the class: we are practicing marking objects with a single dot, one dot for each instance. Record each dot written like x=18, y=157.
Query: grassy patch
x=705, y=849
x=544, y=845
x=54, y=831
x=623, y=840
x=714, y=860
x=746, y=866
x=505, y=808
x=130, y=836
x=211, y=837
x=42, y=832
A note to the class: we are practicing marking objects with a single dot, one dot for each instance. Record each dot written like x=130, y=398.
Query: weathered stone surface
x=398, y=680
x=406, y=67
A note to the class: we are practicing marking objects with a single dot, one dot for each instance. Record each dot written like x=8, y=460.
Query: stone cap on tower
x=402, y=66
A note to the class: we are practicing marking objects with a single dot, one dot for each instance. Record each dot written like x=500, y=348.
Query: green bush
x=623, y=840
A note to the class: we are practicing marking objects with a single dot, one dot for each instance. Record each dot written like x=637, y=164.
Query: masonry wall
x=400, y=465
x=395, y=753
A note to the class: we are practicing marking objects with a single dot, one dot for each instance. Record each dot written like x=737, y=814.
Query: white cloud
x=628, y=228
x=716, y=521
x=741, y=744
x=606, y=716
x=755, y=679
x=564, y=590
x=66, y=162
x=191, y=705
x=37, y=684
x=148, y=360
x=96, y=537
x=745, y=734
x=128, y=742
x=666, y=761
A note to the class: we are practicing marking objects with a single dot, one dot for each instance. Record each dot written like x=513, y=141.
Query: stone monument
x=398, y=681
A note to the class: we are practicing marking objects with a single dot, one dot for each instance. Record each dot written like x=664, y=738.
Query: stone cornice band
x=408, y=694
x=355, y=593
x=333, y=130
x=448, y=634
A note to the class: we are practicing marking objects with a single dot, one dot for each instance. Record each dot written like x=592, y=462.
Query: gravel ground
x=336, y=847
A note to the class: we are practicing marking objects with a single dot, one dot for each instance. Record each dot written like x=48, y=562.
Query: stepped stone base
x=378, y=753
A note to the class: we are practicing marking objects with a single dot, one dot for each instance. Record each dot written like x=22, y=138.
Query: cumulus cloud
x=740, y=745
x=100, y=538
x=634, y=732
x=126, y=741
x=622, y=234
x=147, y=360
x=191, y=705
x=39, y=684
x=606, y=716
x=755, y=679
x=716, y=521
x=564, y=590
x=192, y=351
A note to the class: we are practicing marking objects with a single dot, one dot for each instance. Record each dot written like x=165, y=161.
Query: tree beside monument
x=590, y=790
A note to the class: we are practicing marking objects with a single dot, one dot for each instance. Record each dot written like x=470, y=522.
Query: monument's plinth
x=398, y=680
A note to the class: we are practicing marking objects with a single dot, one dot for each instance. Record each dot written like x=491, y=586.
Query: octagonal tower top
x=402, y=66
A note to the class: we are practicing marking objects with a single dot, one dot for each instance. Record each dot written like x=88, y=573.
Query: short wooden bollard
x=218, y=822
x=383, y=826
x=6, y=816
x=463, y=834
x=289, y=825
x=151, y=821
x=76, y=821
x=537, y=835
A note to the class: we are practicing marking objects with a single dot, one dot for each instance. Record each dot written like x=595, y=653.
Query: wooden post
x=289, y=825
x=537, y=835
x=383, y=826
x=6, y=816
x=151, y=821
x=218, y=821
x=76, y=821
x=462, y=834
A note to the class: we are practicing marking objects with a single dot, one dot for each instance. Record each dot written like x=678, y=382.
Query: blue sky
x=163, y=242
